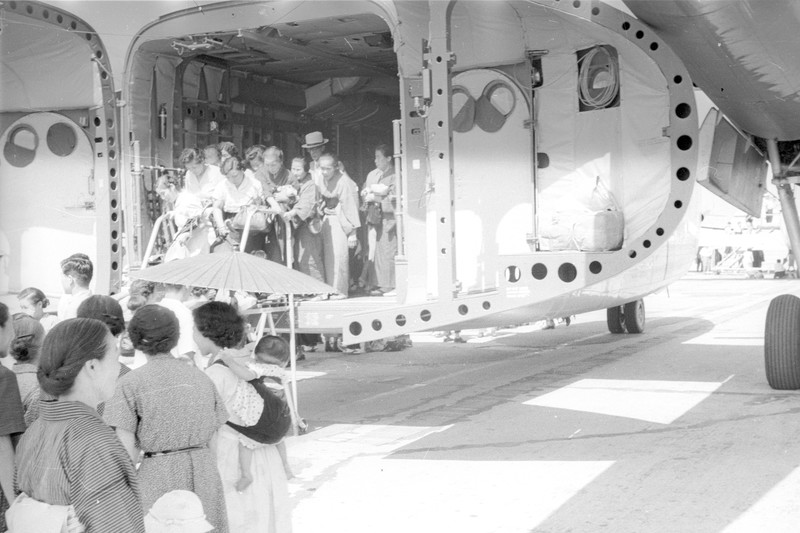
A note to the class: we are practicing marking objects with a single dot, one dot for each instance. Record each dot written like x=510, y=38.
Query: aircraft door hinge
x=429, y=58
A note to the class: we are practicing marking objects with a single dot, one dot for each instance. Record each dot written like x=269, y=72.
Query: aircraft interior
x=272, y=84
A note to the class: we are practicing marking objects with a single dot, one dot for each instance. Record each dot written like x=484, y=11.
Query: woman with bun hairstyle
x=69, y=457
x=169, y=410
x=33, y=302
x=264, y=504
x=105, y=309
x=25, y=349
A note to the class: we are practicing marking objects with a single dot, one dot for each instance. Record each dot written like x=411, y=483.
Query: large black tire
x=615, y=318
x=634, y=316
x=782, y=343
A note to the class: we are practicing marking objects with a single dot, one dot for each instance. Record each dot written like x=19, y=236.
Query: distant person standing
x=706, y=253
x=339, y=224
x=379, y=205
x=780, y=269
x=315, y=146
x=76, y=274
x=306, y=224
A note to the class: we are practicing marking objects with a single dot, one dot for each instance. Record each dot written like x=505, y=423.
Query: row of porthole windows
x=425, y=315
x=201, y=113
x=625, y=25
x=23, y=142
x=567, y=272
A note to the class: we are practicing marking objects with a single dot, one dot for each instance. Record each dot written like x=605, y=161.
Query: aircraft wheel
x=634, y=316
x=782, y=343
x=615, y=318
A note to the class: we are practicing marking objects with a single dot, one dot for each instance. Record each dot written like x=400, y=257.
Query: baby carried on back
x=262, y=401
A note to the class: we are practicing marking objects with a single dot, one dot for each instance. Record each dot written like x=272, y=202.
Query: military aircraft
x=548, y=151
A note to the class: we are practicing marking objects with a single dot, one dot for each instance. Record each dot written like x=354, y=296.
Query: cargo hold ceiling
x=344, y=64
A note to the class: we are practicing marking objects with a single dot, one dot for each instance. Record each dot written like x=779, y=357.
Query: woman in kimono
x=340, y=223
x=68, y=458
x=379, y=205
x=169, y=410
x=264, y=504
x=307, y=239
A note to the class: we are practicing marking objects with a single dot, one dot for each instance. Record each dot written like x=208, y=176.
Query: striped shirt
x=70, y=457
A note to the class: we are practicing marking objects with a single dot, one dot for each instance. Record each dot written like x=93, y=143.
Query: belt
x=148, y=455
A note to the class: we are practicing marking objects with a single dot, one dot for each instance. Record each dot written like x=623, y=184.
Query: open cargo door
x=730, y=165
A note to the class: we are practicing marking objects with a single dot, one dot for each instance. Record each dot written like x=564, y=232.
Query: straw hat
x=177, y=511
x=314, y=139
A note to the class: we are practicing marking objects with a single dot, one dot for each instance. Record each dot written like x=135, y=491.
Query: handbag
x=258, y=222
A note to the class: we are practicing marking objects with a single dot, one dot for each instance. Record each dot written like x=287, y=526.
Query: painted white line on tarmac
x=715, y=339
x=316, y=456
x=372, y=494
x=777, y=511
x=654, y=401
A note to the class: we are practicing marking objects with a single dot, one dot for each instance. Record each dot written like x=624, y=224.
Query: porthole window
x=598, y=78
x=502, y=97
x=21, y=145
x=494, y=106
x=61, y=139
x=463, y=110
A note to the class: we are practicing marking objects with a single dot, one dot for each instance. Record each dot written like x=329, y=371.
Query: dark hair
x=229, y=147
x=154, y=329
x=385, y=150
x=33, y=294
x=334, y=157
x=191, y=155
x=3, y=314
x=231, y=163
x=105, y=309
x=220, y=323
x=302, y=161
x=272, y=346
x=255, y=152
x=67, y=347
x=79, y=266
x=28, y=337
x=140, y=291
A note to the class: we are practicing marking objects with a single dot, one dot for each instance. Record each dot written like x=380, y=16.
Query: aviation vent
x=598, y=78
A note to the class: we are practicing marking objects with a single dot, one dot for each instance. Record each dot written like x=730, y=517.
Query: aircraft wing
x=741, y=53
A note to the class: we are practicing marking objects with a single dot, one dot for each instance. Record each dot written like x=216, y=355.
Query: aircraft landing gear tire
x=615, y=318
x=782, y=343
x=634, y=316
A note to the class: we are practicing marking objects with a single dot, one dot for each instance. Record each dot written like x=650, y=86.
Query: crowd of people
x=184, y=436
x=315, y=202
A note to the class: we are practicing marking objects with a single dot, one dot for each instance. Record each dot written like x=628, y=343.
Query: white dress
x=263, y=507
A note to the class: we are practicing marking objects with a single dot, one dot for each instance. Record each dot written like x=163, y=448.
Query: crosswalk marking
x=371, y=494
x=777, y=511
x=654, y=401
x=318, y=455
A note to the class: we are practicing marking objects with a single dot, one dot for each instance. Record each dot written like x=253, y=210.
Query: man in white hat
x=315, y=146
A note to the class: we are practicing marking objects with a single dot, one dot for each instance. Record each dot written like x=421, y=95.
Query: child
x=271, y=356
x=76, y=274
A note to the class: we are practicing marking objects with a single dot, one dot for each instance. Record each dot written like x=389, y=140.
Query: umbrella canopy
x=234, y=271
